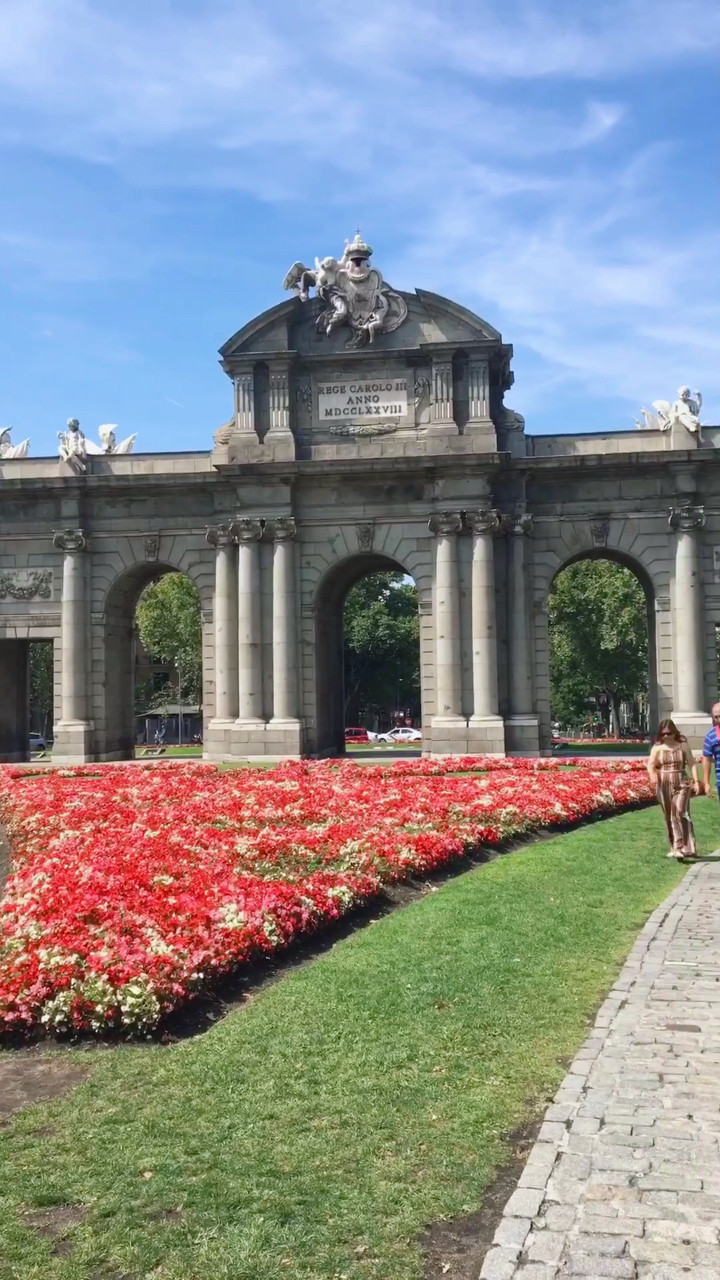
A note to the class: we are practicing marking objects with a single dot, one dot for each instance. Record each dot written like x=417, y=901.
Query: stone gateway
x=368, y=431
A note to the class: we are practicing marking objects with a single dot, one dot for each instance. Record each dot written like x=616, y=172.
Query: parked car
x=38, y=742
x=357, y=735
x=403, y=734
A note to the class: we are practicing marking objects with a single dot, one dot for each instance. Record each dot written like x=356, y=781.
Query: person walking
x=669, y=760
x=711, y=750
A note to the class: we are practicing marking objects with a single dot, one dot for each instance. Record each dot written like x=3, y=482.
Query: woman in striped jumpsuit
x=669, y=761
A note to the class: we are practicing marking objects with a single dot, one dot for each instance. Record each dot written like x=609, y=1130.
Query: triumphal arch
x=369, y=429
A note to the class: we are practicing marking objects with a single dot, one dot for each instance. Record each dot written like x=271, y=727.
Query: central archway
x=329, y=657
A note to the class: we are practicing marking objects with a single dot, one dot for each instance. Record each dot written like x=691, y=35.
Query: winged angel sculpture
x=683, y=412
x=74, y=445
x=353, y=293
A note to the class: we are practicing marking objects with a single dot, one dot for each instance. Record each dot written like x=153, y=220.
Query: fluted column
x=478, y=392
x=280, y=437
x=284, y=630
x=73, y=626
x=225, y=613
x=686, y=520
x=442, y=411
x=483, y=526
x=446, y=525
x=249, y=533
x=245, y=402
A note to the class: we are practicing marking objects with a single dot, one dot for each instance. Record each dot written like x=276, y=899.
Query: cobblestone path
x=624, y=1179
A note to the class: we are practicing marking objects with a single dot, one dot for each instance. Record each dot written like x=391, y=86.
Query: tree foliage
x=381, y=644
x=598, y=638
x=169, y=623
x=41, y=685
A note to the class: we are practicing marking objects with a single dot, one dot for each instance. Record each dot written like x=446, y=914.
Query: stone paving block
x=545, y=1246
x=585, y=1264
x=499, y=1264
x=523, y=1203
x=512, y=1232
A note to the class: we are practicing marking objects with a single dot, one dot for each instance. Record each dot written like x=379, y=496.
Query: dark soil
x=456, y=1248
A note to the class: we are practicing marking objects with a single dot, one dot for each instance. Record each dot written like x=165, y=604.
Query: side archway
x=644, y=583
x=116, y=733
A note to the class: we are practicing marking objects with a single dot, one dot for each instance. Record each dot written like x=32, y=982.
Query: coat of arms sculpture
x=354, y=294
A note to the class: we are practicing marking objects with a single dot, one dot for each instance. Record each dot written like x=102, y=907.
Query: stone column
x=442, y=415
x=225, y=616
x=486, y=728
x=449, y=729
x=688, y=631
x=521, y=727
x=72, y=732
x=284, y=728
x=249, y=532
x=478, y=392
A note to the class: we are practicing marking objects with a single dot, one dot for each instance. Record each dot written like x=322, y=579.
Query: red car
x=357, y=735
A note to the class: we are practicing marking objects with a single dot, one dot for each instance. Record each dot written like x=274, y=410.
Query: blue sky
x=552, y=165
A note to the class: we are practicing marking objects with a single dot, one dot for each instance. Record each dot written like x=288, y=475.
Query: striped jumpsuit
x=673, y=793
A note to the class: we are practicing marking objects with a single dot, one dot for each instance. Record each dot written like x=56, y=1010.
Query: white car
x=403, y=734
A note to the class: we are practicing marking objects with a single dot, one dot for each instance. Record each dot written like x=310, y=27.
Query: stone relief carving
x=683, y=412
x=249, y=529
x=353, y=293
x=482, y=521
x=303, y=395
x=519, y=524
x=151, y=546
x=74, y=446
x=8, y=449
x=284, y=528
x=685, y=517
x=69, y=540
x=362, y=428
x=223, y=534
x=599, y=531
x=223, y=435
x=444, y=523
x=422, y=391
x=26, y=584
x=365, y=534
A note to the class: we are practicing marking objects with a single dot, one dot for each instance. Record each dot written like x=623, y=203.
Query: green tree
x=169, y=623
x=598, y=638
x=41, y=685
x=382, y=652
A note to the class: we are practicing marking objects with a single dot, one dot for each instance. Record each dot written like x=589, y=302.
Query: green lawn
x=318, y=1129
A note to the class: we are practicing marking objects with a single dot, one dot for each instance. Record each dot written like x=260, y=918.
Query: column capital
x=444, y=523
x=685, y=518
x=485, y=521
x=249, y=529
x=283, y=528
x=69, y=540
x=223, y=534
x=520, y=524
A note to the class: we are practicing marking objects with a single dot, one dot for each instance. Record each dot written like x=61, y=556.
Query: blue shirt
x=711, y=751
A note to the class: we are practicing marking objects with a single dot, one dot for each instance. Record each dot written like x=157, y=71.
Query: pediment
x=291, y=326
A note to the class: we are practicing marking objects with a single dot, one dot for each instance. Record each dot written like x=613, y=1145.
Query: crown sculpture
x=683, y=412
x=353, y=294
x=74, y=446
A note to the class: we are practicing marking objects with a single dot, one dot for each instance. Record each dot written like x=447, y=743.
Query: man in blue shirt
x=711, y=750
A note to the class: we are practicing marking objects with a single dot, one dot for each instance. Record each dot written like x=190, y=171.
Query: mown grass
x=316, y=1131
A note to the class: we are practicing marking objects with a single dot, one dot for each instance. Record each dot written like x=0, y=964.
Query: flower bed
x=132, y=887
